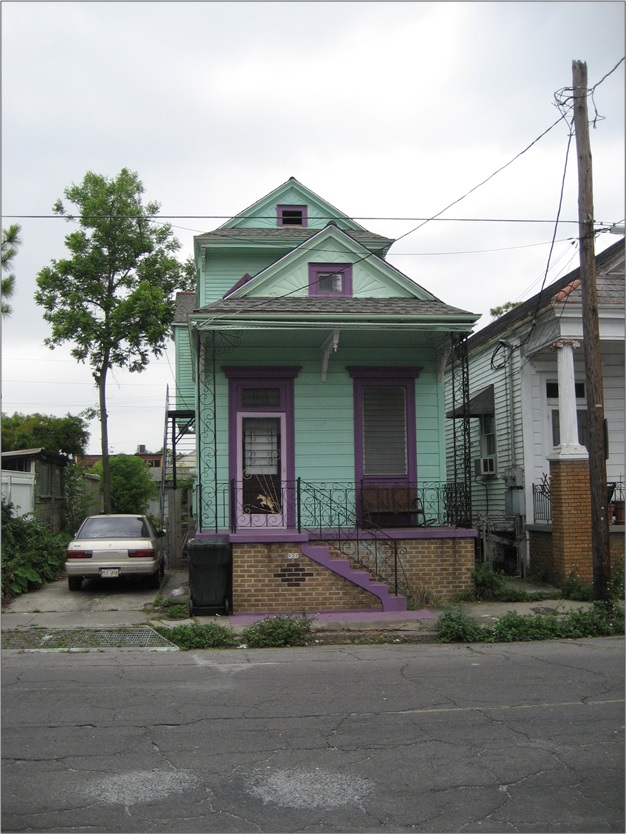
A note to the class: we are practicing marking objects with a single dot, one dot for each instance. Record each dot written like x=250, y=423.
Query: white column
x=568, y=424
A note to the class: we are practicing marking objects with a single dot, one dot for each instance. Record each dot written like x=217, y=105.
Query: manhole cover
x=85, y=638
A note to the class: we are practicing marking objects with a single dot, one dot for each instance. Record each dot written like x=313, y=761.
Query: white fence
x=18, y=488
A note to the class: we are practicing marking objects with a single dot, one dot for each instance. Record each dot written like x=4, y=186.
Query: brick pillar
x=570, y=495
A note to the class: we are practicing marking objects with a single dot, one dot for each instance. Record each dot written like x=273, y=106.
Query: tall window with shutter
x=384, y=425
x=384, y=431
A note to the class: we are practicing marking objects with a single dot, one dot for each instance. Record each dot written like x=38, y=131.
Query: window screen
x=384, y=431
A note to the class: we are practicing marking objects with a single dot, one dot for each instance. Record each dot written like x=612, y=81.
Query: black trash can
x=210, y=576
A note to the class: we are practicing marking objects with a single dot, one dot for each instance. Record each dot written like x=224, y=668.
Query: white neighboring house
x=524, y=368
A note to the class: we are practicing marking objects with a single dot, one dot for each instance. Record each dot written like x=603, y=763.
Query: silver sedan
x=112, y=546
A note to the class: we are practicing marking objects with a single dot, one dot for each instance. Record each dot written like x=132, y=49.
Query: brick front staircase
x=342, y=567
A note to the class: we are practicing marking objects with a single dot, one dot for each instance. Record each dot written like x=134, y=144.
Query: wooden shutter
x=384, y=431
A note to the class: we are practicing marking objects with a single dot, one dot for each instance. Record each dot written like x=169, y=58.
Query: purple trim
x=360, y=578
x=384, y=378
x=346, y=283
x=399, y=534
x=280, y=211
x=262, y=536
x=240, y=377
x=408, y=533
x=240, y=283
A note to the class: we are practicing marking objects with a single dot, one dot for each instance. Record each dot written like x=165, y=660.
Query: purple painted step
x=321, y=555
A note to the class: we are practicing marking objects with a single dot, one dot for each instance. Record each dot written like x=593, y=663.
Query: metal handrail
x=335, y=511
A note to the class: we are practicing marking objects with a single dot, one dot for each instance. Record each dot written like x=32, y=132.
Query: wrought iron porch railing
x=542, y=500
x=350, y=517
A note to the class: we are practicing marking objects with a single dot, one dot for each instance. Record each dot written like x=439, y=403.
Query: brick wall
x=267, y=577
x=566, y=547
x=571, y=519
x=441, y=568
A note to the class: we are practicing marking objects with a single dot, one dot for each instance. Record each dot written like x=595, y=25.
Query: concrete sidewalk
x=103, y=605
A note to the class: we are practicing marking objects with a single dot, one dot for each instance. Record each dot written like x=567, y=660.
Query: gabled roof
x=339, y=241
x=292, y=191
x=610, y=288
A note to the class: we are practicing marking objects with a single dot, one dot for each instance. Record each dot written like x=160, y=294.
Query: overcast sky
x=390, y=111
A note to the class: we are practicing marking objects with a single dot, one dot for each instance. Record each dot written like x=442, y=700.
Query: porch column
x=569, y=446
x=569, y=481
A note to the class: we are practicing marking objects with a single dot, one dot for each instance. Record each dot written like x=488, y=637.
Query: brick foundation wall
x=439, y=568
x=266, y=579
x=540, y=549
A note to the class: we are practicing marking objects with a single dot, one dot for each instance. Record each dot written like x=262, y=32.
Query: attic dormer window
x=330, y=280
x=292, y=215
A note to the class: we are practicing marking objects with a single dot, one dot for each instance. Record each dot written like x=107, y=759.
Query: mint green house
x=314, y=371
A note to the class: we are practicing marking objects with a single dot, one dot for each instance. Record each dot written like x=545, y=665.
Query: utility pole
x=591, y=335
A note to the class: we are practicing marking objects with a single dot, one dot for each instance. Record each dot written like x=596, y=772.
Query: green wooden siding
x=324, y=414
x=185, y=397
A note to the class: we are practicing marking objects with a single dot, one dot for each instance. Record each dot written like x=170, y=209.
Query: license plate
x=110, y=573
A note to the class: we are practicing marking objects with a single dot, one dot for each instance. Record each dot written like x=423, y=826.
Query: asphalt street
x=520, y=737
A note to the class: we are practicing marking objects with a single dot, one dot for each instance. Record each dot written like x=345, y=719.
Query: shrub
x=514, y=627
x=274, y=632
x=197, y=636
x=602, y=619
x=455, y=626
x=31, y=554
x=492, y=585
x=574, y=588
x=488, y=584
x=617, y=580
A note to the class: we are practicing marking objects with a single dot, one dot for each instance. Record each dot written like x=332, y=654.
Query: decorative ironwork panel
x=213, y=498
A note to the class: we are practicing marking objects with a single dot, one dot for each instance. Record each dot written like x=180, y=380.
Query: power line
x=321, y=217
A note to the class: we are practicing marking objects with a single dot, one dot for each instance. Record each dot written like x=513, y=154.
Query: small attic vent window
x=292, y=215
x=330, y=279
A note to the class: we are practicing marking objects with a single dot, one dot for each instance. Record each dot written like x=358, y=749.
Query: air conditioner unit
x=485, y=466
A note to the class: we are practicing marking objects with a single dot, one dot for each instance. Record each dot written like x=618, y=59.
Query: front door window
x=262, y=458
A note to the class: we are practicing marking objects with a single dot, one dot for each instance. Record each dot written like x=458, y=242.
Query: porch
x=305, y=546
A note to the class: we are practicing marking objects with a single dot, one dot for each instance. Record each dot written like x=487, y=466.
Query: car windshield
x=114, y=527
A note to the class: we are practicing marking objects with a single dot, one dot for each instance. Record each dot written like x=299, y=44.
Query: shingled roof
x=367, y=308
x=610, y=288
x=288, y=234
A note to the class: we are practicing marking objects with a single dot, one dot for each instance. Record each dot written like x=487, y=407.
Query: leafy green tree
x=114, y=296
x=131, y=484
x=11, y=241
x=496, y=312
x=67, y=434
x=79, y=501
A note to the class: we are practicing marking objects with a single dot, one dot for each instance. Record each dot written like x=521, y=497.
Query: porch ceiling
x=382, y=337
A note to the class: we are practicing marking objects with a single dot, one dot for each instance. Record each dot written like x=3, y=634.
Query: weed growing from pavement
x=493, y=586
x=601, y=619
x=274, y=632
x=199, y=636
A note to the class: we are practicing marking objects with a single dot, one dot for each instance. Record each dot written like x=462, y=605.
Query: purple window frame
x=346, y=284
x=281, y=377
x=382, y=377
x=303, y=209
